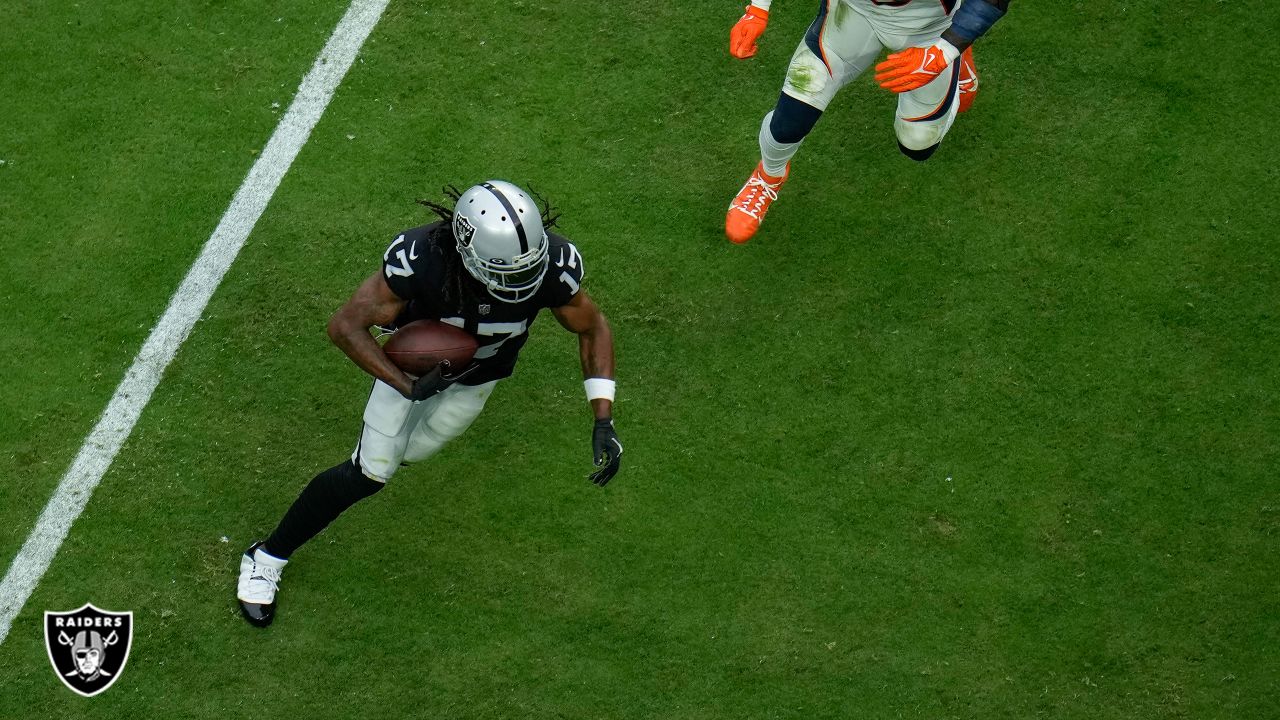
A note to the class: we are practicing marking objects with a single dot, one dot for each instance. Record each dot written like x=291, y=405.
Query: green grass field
x=991, y=436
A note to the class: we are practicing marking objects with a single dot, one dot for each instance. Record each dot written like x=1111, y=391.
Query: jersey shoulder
x=565, y=271
x=414, y=263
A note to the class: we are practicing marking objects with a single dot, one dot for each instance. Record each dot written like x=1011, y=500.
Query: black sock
x=322, y=500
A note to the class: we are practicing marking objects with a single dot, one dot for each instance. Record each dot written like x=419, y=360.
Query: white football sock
x=773, y=154
x=262, y=557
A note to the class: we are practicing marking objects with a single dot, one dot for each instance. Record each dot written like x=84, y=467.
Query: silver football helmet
x=499, y=232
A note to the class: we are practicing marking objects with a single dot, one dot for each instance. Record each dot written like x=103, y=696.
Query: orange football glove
x=915, y=67
x=742, y=39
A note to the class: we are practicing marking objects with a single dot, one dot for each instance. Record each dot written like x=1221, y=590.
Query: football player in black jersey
x=488, y=266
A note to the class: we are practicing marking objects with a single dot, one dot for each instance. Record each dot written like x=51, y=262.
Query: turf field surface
x=984, y=437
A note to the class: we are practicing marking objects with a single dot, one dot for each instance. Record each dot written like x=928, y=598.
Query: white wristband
x=600, y=388
x=762, y=4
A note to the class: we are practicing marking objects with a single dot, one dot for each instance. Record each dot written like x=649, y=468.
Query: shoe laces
x=759, y=191
x=264, y=581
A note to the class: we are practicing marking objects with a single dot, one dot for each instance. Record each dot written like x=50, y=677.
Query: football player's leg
x=387, y=424
x=782, y=131
x=452, y=413
x=838, y=46
x=321, y=501
x=383, y=439
x=925, y=114
x=388, y=418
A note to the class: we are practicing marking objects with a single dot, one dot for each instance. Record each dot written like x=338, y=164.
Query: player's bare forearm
x=596, y=348
x=372, y=304
x=595, y=343
x=971, y=21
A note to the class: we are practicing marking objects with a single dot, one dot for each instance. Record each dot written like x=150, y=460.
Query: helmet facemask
x=511, y=281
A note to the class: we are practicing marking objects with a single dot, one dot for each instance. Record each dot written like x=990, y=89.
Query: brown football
x=419, y=346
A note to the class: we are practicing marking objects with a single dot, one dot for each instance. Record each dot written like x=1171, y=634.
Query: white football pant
x=846, y=39
x=398, y=430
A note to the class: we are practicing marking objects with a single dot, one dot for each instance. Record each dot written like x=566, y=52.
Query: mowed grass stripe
x=185, y=308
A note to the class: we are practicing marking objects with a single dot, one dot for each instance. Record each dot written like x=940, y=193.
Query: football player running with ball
x=930, y=68
x=488, y=266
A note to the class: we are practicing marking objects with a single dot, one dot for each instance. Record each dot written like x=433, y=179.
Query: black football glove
x=437, y=379
x=606, y=452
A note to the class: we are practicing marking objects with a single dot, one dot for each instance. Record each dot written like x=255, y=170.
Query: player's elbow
x=339, y=327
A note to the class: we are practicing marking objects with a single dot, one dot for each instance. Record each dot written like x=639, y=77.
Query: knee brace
x=792, y=119
x=918, y=140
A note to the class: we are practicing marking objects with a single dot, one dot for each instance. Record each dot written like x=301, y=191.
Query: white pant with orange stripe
x=846, y=39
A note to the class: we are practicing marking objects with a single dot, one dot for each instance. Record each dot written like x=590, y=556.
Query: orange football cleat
x=968, y=79
x=749, y=207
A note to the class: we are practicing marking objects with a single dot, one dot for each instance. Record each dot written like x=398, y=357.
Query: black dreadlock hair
x=459, y=286
x=452, y=194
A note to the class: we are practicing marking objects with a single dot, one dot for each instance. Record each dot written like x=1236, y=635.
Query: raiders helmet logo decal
x=88, y=647
x=463, y=230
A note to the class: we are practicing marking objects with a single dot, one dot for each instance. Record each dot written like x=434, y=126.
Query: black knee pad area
x=792, y=119
x=918, y=155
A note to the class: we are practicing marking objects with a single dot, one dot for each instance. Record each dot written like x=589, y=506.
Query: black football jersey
x=419, y=263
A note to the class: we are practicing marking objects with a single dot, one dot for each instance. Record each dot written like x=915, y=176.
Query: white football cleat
x=259, y=583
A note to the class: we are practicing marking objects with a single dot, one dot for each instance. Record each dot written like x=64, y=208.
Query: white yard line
x=185, y=308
